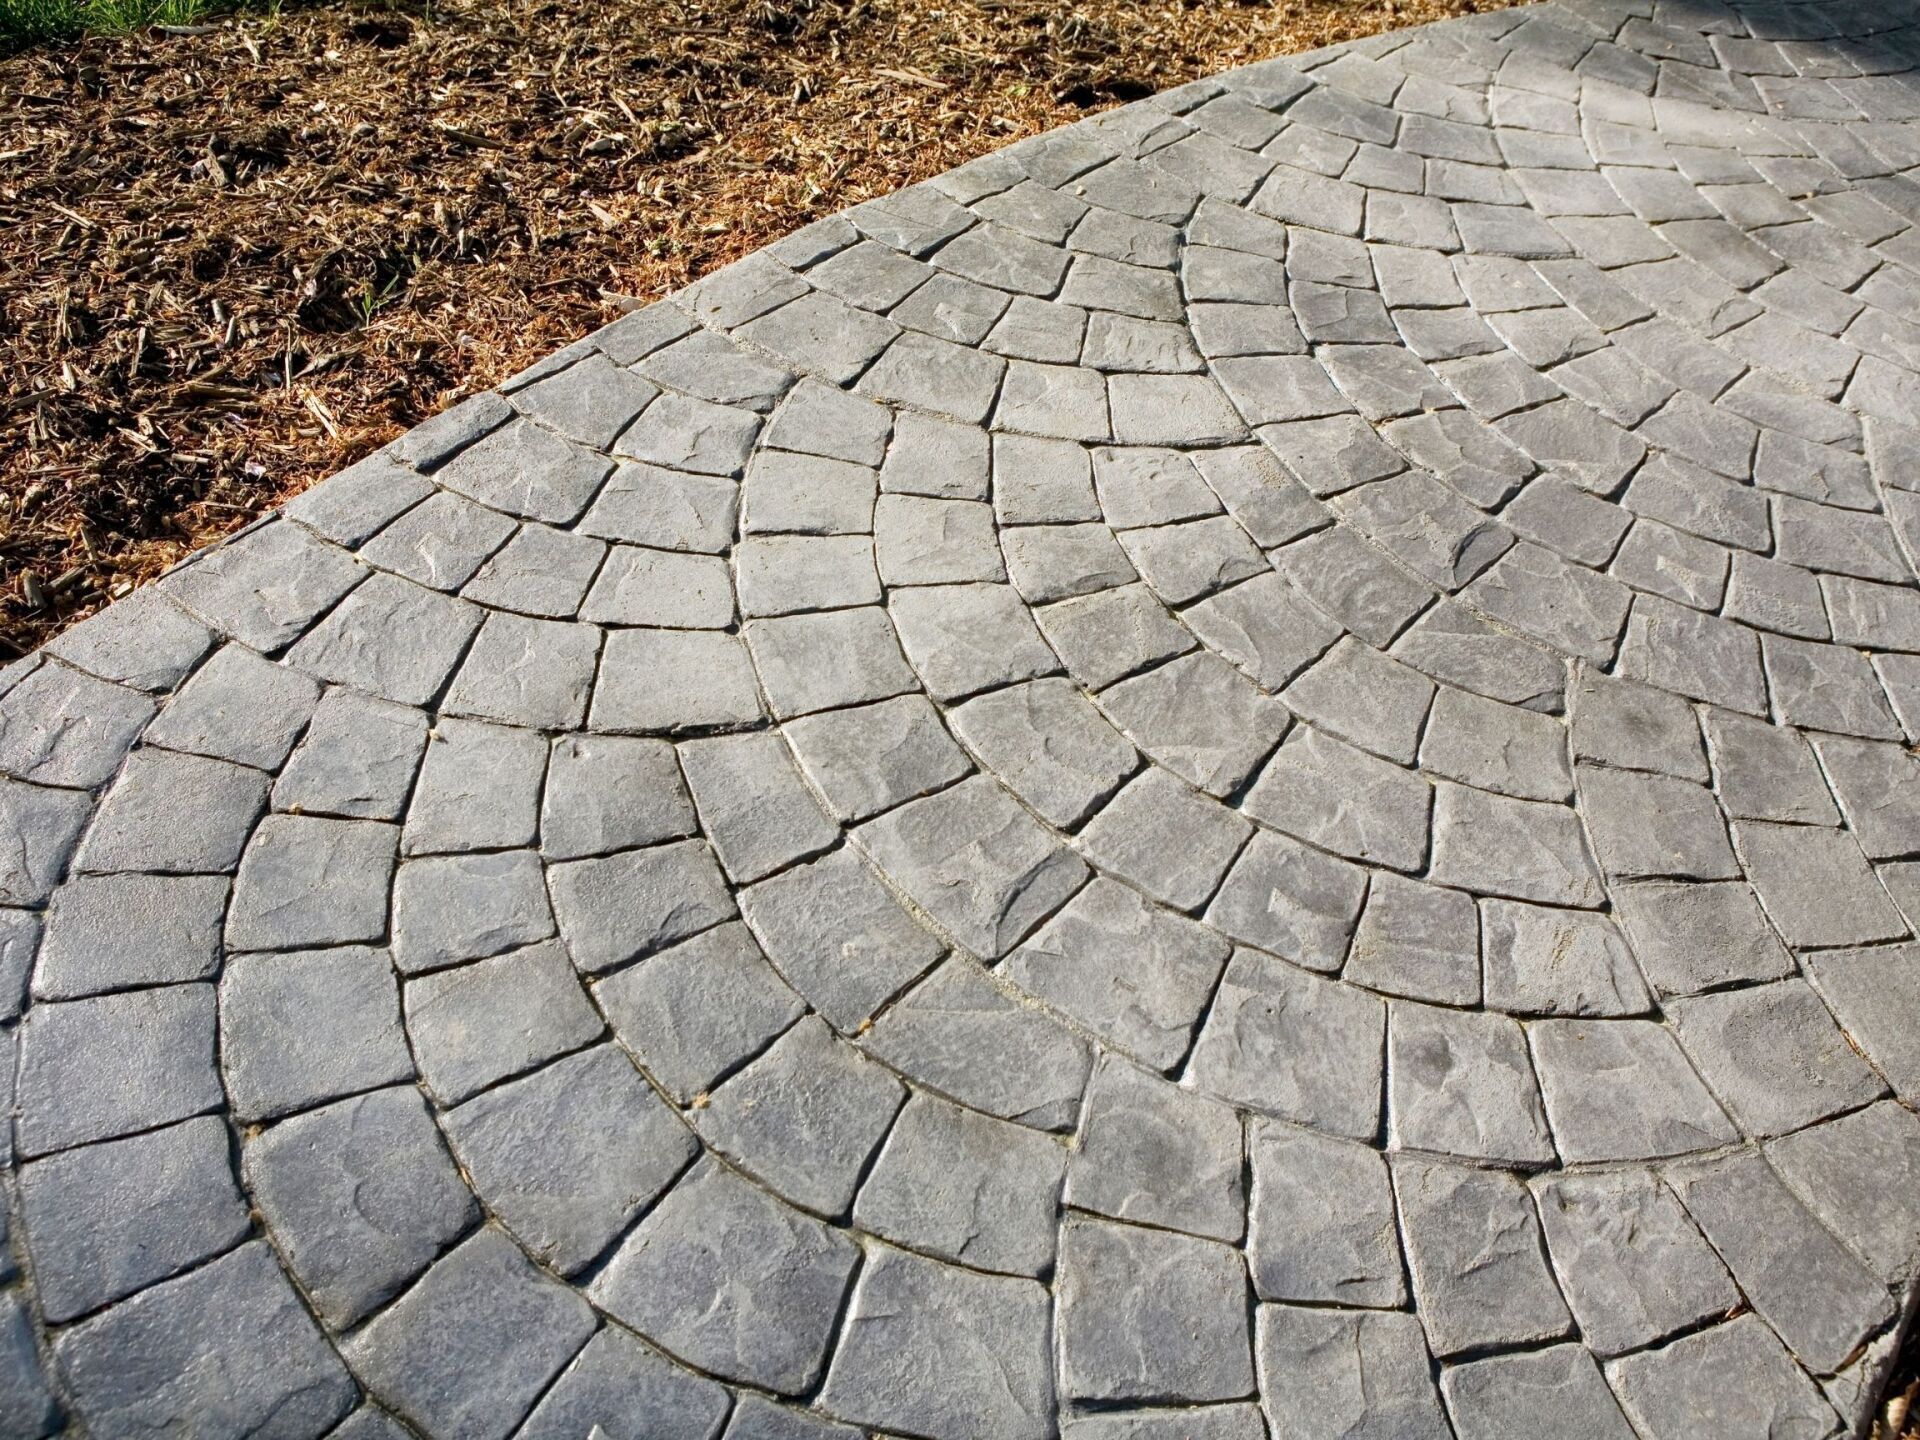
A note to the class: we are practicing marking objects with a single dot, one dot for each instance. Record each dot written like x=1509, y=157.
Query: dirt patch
x=231, y=263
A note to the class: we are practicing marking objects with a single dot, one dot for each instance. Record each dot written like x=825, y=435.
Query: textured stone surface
x=1242, y=770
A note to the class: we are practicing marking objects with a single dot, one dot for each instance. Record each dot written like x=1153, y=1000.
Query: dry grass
x=232, y=262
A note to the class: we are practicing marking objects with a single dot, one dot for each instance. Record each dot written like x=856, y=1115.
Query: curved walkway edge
x=1245, y=771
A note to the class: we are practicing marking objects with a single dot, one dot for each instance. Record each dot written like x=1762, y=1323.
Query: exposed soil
x=233, y=262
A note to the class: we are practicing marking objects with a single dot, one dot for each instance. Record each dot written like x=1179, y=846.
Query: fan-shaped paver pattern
x=1242, y=771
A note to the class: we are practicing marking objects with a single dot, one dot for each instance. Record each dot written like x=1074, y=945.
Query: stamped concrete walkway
x=1242, y=771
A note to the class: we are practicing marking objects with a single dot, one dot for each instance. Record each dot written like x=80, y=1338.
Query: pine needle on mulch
x=233, y=262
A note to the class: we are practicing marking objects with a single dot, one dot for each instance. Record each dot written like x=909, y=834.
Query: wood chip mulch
x=232, y=262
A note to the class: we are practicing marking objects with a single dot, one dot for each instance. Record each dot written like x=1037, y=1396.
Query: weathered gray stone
x=1830, y=1165
x=610, y=792
x=1365, y=697
x=627, y=1391
x=1767, y=772
x=921, y=541
x=1357, y=1374
x=943, y=1350
x=108, y=1066
x=1736, y=1378
x=568, y=1155
x=754, y=808
x=618, y=907
x=357, y=759
x=1816, y=885
x=41, y=828
x=1297, y=902
x=1349, y=802
x=1460, y=1083
x=1631, y=1264
x=1321, y=1224
x=1558, y=1388
x=1147, y=1315
x=967, y=638
x=473, y=1344
x=1622, y=1090
x=1293, y=1045
x=784, y=574
x=1872, y=995
x=684, y=433
x=1570, y=609
x=648, y=505
x=224, y=1350
x=138, y=826
x=1112, y=634
x=805, y=1117
x=822, y=662
x=1212, y=1422
x=695, y=1011
x=523, y=671
x=60, y=727
x=1820, y=1299
x=959, y=1034
x=107, y=1220
x=869, y=758
x=1773, y=1055
x=19, y=938
x=479, y=790
x=306, y=881
x=358, y=500
x=450, y=908
x=1495, y=746
x=960, y=1185
x=480, y=1023
x=1265, y=627
x=1354, y=583
x=390, y=637
x=440, y=542
x=1136, y=975
x=731, y=1280
x=807, y=495
x=1154, y=1154
x=264, y=588
x=637, y=586
x=1480, y=1274
x=591, y=400
x=1654, y=826
x=361, y=1196
x=1493, y=845
x=111, y=931
x=1694, y=937
x=978, y=864
x=309, y=1026
x=838, y=937
x=660, y=681
x=1200, y=718
x=1417, y=940
x=29, y=1402
x=1635, y=727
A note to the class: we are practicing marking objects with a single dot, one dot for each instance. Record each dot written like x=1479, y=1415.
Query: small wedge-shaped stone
x=978, y=864
x=1480, y=1273
x=948, y=1352
x=730, y=1279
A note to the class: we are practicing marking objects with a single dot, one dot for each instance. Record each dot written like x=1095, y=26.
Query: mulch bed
x=232, y=262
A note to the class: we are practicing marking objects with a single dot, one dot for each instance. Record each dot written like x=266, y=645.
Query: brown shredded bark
x=231, y=263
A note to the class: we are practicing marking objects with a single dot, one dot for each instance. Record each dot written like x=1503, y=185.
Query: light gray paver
x=361, y=1195
x=567, y=1188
